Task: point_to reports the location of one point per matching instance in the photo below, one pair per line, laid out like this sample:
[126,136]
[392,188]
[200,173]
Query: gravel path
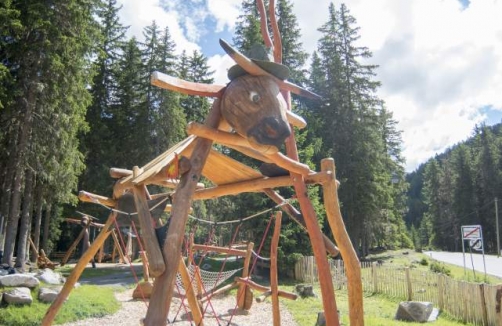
[132,311]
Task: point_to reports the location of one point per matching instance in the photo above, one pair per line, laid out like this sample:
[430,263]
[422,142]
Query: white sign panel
[470,232]
[476,244]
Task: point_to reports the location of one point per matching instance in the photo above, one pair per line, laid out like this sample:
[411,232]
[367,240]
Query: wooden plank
[274,283]
[73,246]
[160,300]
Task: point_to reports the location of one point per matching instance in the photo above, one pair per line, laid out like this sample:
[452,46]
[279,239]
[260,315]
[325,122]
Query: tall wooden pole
[274,283]
[352,265]
[315,234]
[77,271]
[163,287]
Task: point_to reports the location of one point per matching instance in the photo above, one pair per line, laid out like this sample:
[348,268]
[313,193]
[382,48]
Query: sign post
[474,234]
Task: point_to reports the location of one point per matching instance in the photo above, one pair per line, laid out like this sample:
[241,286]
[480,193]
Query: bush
[439,268]
[424,262]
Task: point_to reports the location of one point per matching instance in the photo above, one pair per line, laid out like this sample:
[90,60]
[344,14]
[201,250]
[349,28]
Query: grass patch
[378,310]
[84,302]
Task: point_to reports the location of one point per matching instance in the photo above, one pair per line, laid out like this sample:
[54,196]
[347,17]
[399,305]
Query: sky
[440,61]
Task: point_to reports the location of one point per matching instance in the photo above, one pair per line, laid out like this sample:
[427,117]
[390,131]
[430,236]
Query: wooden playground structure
[251,115]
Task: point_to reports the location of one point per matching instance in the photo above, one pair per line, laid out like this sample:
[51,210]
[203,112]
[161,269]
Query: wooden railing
[476,303]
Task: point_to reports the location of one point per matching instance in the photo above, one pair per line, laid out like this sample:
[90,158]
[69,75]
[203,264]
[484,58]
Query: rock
[19,295]
[4,272]
[305,290]
[48,276]
[414,311]
[143,290]
[48,295]
[321,319]
[19,280]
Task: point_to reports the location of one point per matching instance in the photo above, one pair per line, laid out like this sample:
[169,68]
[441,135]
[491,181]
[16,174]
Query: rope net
[210,280]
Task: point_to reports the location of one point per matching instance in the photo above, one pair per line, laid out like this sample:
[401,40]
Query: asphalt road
[493,263]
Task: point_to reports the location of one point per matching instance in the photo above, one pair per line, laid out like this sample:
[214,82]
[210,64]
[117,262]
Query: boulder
[19,295]
[416,311]
[48,276]
[21,280]
[48,295]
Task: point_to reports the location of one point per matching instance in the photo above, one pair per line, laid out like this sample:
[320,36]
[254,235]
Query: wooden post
[73,246]
[241,293]
[440,291]
[144,259]
[408,284]
[352,264]
[374,276]
[190,294]
[298,218]
[155,259]
[119,247]
[273,270]
[77,271]
[160,300]
[34,249]
[101,253]
[483,303]
[498,305]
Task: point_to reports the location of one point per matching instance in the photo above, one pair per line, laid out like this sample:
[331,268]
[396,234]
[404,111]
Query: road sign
[476,244]
[471,232]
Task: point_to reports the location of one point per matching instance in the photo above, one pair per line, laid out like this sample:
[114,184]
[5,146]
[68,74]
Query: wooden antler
[253,69]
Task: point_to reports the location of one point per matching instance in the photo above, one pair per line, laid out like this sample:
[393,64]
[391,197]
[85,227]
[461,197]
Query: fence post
[441,291]
[374,276]
[408,283]
[483,303]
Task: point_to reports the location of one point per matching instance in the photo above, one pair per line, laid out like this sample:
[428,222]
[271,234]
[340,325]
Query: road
[493,264]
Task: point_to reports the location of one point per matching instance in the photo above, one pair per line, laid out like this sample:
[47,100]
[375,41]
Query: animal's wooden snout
[270,131]
[255,108]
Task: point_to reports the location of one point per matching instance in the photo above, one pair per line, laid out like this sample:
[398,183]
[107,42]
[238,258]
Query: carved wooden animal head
[255,108]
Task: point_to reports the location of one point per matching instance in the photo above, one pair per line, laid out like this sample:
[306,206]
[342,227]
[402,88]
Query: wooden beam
[232,139]
[241,295]
[352,264]
[118,246]
[73,246]
[88,197]
[274,283]
[77,271]
[296,216]
[314,231]
[190,294]
[224,137]
[228,251]
[296,120]
[254,185]
[160,300]
[155,258]
[261,288]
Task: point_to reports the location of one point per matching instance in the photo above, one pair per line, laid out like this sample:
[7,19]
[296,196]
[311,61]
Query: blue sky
[440,61]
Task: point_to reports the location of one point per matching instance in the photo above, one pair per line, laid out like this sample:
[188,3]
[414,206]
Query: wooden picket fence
[476,303]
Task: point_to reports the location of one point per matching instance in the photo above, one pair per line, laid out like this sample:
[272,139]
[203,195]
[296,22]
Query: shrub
[424,262]
[439,268]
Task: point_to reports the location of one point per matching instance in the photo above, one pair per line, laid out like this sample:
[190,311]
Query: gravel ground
[133,311]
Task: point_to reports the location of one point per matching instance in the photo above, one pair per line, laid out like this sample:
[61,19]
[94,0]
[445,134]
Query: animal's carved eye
[254,97]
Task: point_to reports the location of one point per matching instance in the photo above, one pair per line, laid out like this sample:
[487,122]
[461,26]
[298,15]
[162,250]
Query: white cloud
[139,14]
[439,62]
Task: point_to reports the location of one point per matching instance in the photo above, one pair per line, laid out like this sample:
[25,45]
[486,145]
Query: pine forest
[76,100]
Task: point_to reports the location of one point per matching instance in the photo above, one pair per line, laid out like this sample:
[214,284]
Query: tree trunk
[47,223]
[24,227]
[26,104]
[38,219]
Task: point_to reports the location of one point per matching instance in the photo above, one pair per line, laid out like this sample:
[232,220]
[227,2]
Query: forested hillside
[458,187]
[76,100]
